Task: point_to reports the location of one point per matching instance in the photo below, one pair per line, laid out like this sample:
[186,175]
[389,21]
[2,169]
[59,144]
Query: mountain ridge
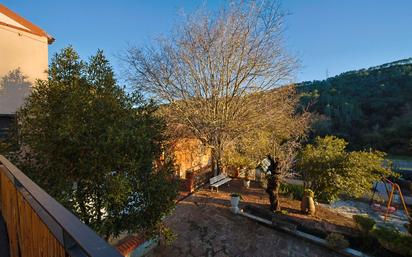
[369,107]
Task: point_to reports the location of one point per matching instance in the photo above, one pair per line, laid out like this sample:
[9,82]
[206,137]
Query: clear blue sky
[333,35]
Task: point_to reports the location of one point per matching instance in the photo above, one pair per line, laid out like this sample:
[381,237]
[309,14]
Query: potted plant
[307,204]
[246,181]
[234,202]
[235,172]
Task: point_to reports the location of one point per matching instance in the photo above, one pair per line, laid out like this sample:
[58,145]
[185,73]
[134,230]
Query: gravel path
[350,208]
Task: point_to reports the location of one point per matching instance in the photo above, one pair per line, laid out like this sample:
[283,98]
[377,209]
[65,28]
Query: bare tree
[278,129]
[212,69]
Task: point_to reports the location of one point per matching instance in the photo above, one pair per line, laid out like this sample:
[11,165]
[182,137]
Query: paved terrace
[205,227]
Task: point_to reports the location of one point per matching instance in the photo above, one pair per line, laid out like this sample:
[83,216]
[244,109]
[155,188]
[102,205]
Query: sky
[327,36]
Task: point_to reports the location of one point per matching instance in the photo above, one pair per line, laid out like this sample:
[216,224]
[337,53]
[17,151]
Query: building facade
[23,59]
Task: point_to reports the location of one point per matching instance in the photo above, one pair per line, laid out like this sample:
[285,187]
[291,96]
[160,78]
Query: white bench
[219,180]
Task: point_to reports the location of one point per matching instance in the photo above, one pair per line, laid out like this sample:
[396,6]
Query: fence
[38,226]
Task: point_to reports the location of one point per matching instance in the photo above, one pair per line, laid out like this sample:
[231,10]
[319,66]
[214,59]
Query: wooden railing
[38,226]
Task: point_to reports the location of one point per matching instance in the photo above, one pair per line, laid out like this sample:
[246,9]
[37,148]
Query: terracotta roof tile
[128,244]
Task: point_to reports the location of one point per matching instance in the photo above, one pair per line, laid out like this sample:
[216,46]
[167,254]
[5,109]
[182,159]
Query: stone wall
[190,154]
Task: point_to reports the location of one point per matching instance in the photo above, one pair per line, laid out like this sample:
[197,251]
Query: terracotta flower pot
[236,173]
[190,181]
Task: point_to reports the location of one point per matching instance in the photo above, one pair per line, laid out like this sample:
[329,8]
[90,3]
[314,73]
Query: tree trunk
[216,157]
[276,194]
[273,191]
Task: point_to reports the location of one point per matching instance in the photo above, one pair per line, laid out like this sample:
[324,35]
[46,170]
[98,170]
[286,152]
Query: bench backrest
[217,178]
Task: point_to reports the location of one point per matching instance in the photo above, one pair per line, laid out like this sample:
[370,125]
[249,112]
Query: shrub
[282,212]
[236,195]
[296,191]
[337,241]
[309,192]
[364,223]
[330,170]
[393,240]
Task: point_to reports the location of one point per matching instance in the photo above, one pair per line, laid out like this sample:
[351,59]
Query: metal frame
[77,238]
[394,186]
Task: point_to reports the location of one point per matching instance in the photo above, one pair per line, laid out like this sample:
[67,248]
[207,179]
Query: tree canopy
[279,131]
[92,147]
[329,170]
[368,107]
[211,69]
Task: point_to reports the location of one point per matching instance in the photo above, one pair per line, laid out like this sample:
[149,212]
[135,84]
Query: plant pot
[190,181]
[307,205]
[236,173]
[234,204]
[258,174]
[246,183]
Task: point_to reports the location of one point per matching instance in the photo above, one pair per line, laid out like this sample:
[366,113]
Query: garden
[331,200]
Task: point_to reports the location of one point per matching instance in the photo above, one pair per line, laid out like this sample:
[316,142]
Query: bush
[337,241]
[295,191]
[364,223]
[309,193]
[393,240]
[236,195]
[330,170]
[282,212]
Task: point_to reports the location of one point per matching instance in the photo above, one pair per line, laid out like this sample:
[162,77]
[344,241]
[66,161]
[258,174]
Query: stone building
[190,154]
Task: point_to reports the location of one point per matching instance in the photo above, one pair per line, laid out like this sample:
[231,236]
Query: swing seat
[391,209]
[379,208]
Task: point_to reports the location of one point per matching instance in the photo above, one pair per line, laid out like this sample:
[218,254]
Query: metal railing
[37,225]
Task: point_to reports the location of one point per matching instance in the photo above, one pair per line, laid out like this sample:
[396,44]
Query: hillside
[368,107]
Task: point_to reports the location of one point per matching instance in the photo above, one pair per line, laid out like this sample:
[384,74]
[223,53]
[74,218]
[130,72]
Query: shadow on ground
[205,227]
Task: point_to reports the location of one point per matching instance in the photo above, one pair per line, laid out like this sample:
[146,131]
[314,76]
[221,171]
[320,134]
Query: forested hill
[368,107]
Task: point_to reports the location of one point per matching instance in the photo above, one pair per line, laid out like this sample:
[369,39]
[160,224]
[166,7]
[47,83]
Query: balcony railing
[37,225]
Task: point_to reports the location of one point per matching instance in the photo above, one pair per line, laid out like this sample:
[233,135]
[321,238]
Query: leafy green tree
[368,107]
[92,147]
[329,170]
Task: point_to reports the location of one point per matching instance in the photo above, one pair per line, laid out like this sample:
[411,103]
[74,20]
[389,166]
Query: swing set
[391,193]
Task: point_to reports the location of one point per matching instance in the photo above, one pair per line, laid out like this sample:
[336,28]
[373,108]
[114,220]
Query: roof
[20,23]
[129,244]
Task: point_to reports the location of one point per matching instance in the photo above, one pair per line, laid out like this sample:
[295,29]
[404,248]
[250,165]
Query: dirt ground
[257,196]
[205,227]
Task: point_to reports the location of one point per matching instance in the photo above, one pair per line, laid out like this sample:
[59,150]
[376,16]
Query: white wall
[24,51]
